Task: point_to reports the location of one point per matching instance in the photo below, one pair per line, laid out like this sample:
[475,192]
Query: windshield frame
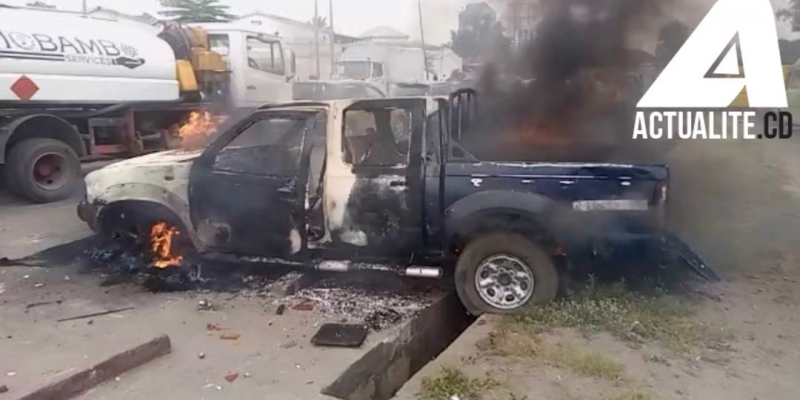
[341,68]
[227,136]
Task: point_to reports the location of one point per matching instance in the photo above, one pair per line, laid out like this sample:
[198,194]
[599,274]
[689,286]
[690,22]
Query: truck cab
[344,183]
[261,69]
[370,71]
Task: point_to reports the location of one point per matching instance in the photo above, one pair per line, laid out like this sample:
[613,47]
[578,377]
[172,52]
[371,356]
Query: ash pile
[376,300]
[119,262]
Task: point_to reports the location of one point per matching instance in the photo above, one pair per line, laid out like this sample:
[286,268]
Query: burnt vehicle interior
[244,189]
[381,144]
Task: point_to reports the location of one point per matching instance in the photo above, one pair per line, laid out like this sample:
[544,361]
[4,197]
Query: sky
[351,17]
[354,17]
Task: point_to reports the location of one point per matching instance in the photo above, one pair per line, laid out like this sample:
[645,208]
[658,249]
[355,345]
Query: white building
[384,34]
[442,60]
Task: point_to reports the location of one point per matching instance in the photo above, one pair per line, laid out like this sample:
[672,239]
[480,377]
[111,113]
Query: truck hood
[157,159]
[143,177]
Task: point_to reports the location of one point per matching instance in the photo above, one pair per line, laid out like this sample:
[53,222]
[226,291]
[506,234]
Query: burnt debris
[372,299]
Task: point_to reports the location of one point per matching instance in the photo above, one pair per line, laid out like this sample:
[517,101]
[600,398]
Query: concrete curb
[380,373]
[88,378]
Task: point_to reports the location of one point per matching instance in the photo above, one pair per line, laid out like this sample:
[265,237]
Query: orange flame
[539,134]
[198,128]
[161,245]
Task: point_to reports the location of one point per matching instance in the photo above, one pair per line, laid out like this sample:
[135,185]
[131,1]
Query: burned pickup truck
[347,184]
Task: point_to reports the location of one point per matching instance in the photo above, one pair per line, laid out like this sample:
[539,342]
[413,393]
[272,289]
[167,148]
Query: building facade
[520,19]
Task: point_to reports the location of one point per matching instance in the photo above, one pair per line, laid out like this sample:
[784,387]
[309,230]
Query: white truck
[384,65]
[74,88]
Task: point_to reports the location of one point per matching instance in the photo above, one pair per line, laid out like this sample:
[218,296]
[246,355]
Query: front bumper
[88,213]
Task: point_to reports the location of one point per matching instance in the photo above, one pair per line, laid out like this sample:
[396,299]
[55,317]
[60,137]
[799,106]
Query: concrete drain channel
[380,373]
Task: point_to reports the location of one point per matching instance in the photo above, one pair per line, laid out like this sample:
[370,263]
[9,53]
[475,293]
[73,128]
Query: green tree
[319,22]
[196,10]
[671,38]
[790,11]
[480,35]
[40,4]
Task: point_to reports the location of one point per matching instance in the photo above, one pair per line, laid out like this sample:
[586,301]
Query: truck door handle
[251,87]
[397,184]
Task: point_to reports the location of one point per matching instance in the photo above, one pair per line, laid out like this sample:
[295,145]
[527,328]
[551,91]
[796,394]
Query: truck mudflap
[678,248]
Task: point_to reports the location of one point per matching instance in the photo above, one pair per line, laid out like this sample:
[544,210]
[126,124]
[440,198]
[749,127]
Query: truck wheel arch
[525,213]
[43,126]
[150,198]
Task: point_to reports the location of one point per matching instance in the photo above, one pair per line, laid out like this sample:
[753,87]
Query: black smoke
[571,93]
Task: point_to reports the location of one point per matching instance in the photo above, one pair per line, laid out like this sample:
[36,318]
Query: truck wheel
[43,170]
[501,273]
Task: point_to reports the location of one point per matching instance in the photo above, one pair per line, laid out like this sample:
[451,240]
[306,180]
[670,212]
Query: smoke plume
[572,93]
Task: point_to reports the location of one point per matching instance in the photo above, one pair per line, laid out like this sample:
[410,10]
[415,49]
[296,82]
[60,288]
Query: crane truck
[76,88]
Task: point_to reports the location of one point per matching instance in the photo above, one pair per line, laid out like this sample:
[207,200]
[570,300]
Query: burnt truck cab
[342,183]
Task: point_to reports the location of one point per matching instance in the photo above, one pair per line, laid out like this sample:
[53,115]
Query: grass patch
[625,314]
[585,362]
[454,382]
[516,343]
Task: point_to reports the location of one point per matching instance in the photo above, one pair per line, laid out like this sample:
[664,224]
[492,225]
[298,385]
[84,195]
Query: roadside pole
[316,36]
[422,37]
[333,41]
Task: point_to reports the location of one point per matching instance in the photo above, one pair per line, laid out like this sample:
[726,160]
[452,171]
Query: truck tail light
[662,189]
[660,200]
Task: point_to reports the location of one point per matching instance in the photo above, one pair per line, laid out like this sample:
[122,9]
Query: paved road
[27,228]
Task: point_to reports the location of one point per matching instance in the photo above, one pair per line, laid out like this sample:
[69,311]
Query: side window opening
[378,73]
[220,44]
[265,55]
[377,138]
[267,147]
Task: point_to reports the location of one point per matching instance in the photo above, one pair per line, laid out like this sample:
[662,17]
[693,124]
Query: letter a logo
[705,72]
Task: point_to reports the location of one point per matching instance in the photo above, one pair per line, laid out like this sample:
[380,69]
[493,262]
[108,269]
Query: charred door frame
[412,187]
[204,168]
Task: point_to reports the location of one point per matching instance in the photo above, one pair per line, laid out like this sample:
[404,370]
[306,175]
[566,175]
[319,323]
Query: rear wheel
[501,273]
[43,170]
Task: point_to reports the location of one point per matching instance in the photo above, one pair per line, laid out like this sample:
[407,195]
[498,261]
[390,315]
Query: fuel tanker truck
[76,88]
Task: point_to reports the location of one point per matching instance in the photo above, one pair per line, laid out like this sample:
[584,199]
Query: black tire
[133,225]
[22,180]
[539,262]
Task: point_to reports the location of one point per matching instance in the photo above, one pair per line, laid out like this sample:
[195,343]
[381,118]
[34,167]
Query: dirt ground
[737,204]
[27,228]
[268,350]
